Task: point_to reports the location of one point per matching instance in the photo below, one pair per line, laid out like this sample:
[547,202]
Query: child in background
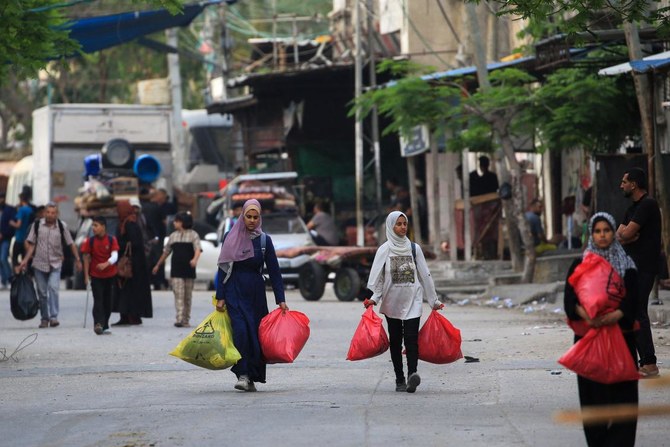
[184,245]
[101,251]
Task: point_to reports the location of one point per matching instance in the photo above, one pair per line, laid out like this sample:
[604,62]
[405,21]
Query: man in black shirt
[640,234]
[485,183]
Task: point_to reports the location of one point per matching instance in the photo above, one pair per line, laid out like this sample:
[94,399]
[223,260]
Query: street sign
[418,143]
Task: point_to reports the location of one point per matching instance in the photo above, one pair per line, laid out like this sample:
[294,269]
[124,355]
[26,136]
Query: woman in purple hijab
[240,289]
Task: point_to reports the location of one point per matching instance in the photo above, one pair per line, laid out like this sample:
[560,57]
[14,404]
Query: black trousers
[103,294]
[407,331]
[18,252]
[611,434]
[644,340]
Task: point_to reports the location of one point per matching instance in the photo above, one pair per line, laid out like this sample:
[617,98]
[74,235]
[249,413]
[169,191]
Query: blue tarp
[644,66]
[98,33]
[464,71]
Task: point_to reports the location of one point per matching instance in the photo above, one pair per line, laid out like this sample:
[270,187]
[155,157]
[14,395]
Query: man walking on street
[640,234]
[47,239]
[21,224]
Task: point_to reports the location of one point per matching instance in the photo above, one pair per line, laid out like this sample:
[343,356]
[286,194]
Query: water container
[92,164]
[147,168]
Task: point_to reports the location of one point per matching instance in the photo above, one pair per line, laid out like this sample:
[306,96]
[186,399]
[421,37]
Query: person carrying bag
[600,303]
[399,281]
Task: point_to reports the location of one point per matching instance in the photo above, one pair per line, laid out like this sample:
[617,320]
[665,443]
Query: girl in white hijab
[400,282]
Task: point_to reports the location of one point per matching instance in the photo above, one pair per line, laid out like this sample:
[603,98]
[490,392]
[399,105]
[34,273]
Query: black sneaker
[401,387]
[412,382]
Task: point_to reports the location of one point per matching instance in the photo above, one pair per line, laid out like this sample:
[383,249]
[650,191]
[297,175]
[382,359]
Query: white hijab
[394,246]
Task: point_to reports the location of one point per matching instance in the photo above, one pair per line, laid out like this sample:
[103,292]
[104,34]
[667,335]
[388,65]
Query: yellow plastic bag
[210,345]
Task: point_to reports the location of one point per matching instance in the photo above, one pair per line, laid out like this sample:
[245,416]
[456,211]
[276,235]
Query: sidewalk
[478,283]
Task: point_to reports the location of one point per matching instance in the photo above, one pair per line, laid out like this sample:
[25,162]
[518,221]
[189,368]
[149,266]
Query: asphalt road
[74,388]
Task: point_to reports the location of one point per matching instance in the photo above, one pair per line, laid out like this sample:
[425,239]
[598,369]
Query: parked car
[209,242]
[287,230]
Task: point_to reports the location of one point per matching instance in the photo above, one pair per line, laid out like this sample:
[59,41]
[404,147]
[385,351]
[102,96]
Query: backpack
[264,238]
[92,238]
[67,269]
[367,293]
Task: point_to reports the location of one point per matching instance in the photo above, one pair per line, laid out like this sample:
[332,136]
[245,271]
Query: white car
[209,243]
[287,230]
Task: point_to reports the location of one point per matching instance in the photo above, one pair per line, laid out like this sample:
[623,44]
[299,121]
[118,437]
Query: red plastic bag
[283,335]
[598,286]
[439,340]
[370,338]
[602,355]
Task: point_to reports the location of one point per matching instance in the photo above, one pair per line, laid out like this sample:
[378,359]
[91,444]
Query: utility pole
[374,116]
[358,88]
[642,91]
[179,160]
[274,35]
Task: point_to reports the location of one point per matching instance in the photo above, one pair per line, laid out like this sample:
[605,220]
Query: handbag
[124,267]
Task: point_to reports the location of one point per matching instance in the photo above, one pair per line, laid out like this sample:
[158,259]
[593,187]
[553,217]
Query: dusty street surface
[73,388]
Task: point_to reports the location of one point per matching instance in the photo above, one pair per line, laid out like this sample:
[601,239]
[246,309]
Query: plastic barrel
[147,168]
[92,164]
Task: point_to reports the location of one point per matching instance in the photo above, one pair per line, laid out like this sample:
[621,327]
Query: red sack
[439,340]
[370,338]
[282,335]
[602,356]
[598,286]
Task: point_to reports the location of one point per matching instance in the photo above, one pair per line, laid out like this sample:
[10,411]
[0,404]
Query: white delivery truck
[65,134]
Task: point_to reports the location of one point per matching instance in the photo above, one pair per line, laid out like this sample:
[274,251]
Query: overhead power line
[419,35]
[451,26]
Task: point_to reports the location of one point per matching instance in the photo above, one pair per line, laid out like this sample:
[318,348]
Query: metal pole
[88,291]
[179,159]
[374,116]
[413,199]
[274,34]
[467,237]
[296,58]
[358,88]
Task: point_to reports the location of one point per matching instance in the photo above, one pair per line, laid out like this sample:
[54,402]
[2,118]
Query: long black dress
[134,294]
[593,393]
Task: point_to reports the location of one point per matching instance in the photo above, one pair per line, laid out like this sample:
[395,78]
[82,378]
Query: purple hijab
[238,245]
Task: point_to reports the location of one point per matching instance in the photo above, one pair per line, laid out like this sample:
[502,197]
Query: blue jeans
[48,284]
[5,268]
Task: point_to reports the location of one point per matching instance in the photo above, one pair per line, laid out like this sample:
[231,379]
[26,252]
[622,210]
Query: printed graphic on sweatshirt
[402,270]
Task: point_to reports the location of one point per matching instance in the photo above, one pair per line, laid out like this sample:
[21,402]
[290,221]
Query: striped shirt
[180,237]
[48,253]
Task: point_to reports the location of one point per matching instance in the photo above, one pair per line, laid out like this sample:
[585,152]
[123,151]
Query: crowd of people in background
[399,280]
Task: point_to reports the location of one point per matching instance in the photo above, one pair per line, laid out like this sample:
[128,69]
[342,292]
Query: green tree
[33,34]
[580,14]
[33,41]
[572,108]
[585,15]
[599,111]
